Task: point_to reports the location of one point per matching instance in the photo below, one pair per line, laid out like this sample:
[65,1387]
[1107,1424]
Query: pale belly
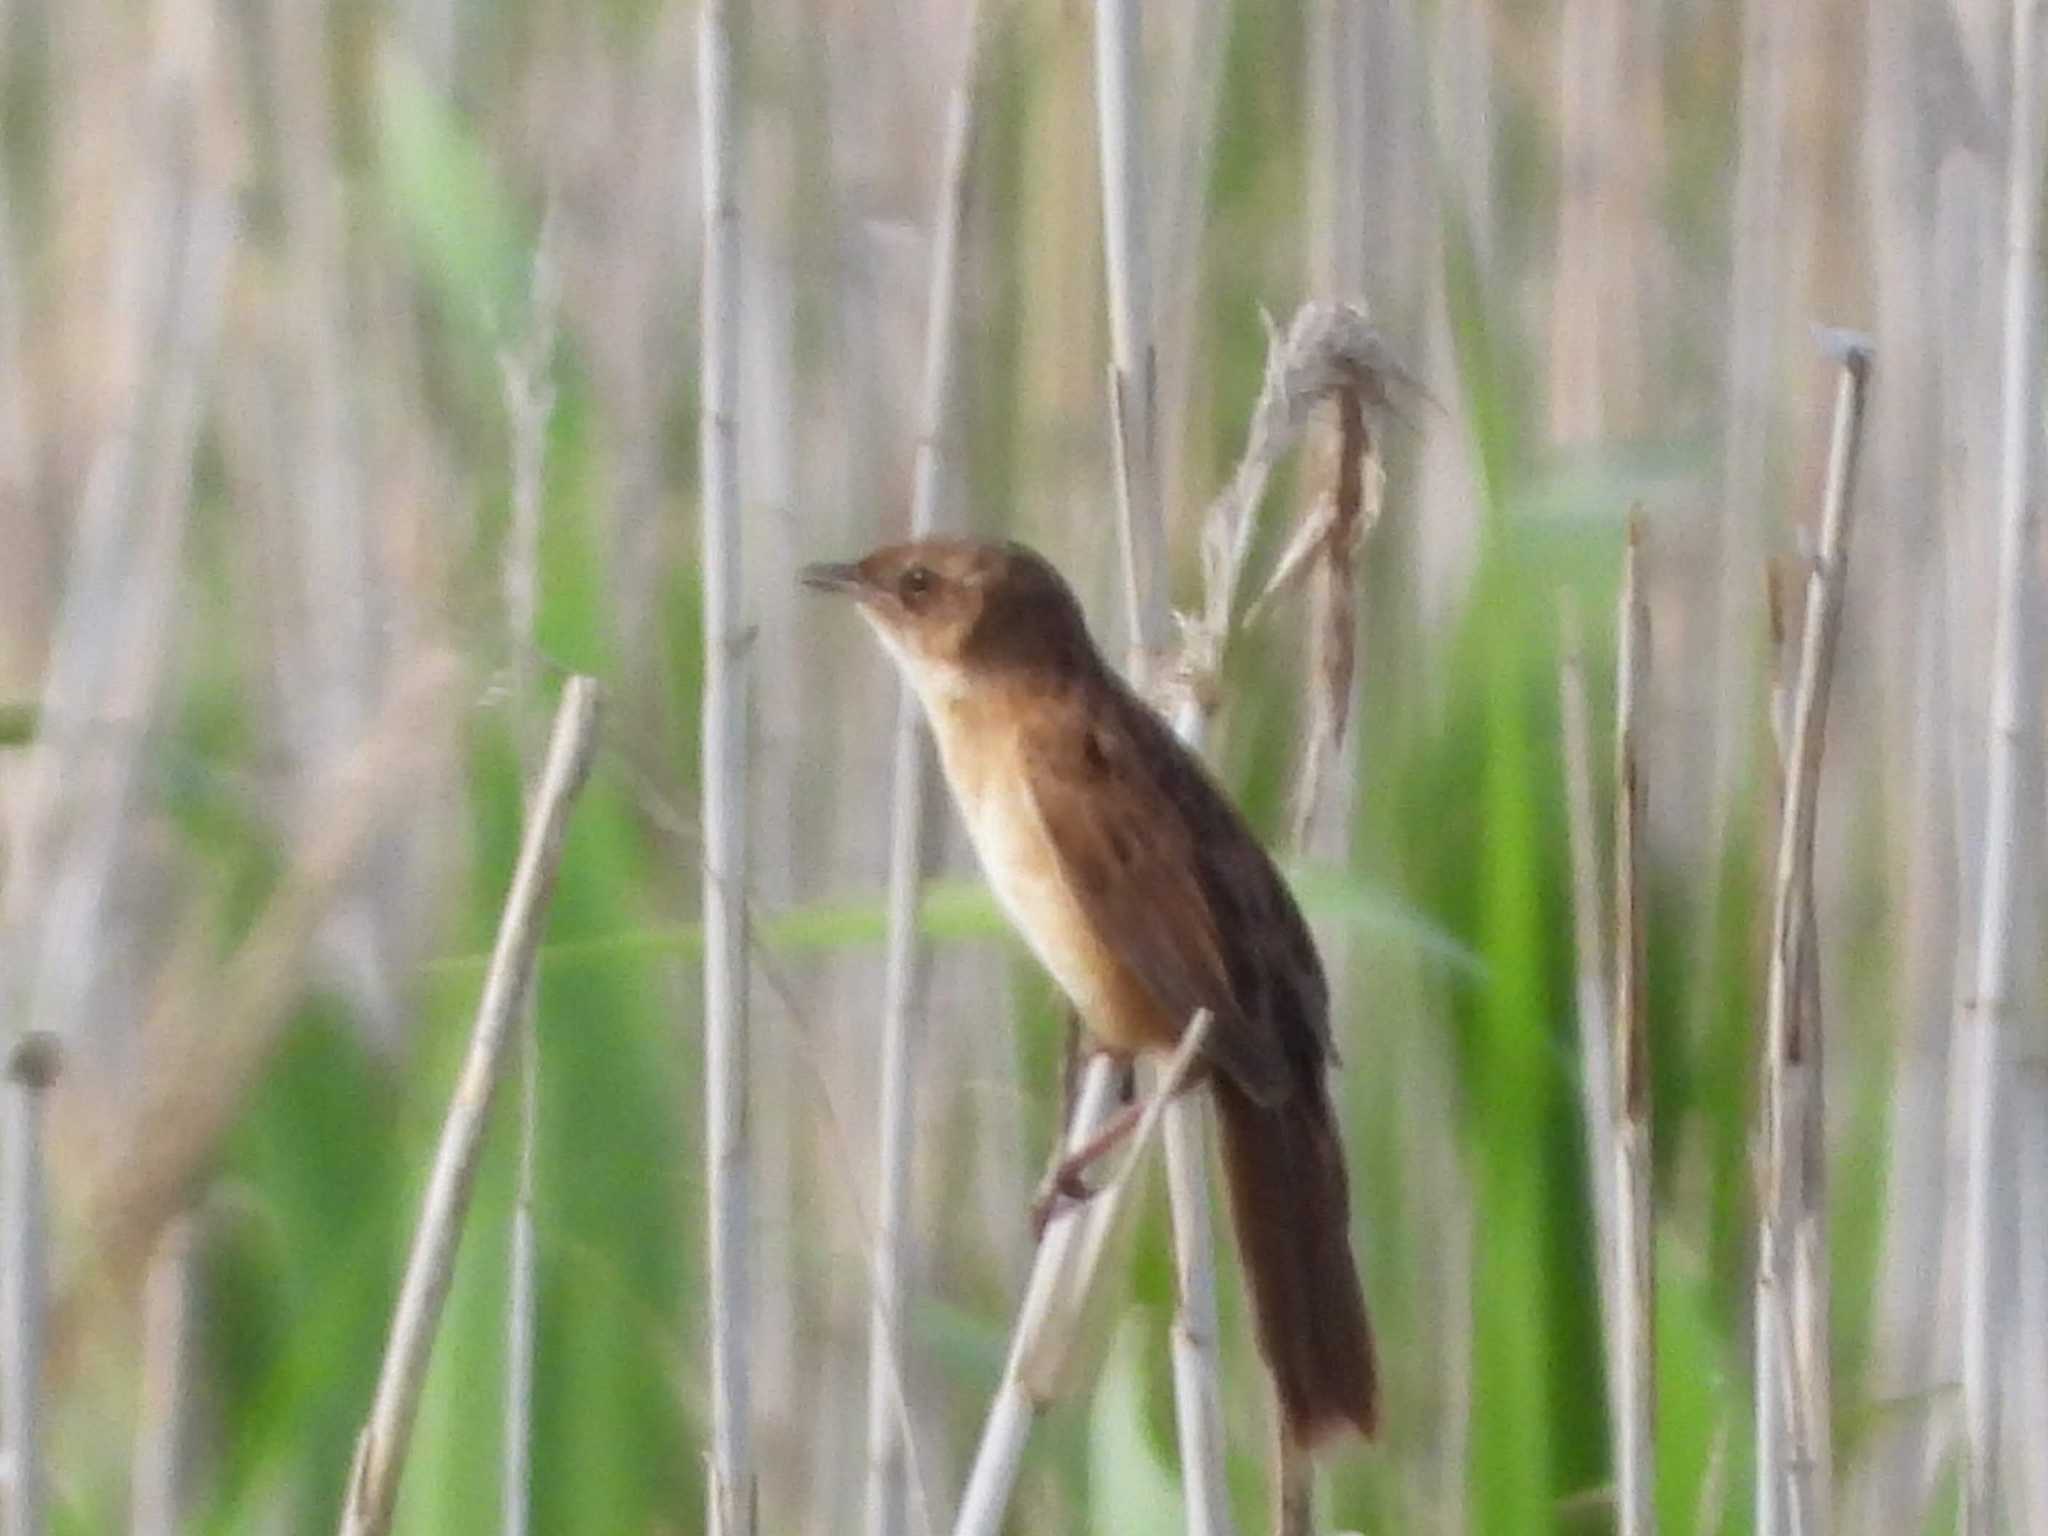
[1023,872]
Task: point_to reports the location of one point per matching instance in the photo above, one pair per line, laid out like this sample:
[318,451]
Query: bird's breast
[984,767]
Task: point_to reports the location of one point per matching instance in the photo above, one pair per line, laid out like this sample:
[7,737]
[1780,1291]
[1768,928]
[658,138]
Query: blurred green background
[271,275]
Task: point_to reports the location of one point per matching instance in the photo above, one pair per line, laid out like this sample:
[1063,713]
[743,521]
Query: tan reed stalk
[729,1147]
[1596,1047]
[1043,1325]
[1133,420]
[1794,1453]
[170,1356]
[372,1492]
[529,397]
[107,661]
[910,778]
[2011,800]
[32,1063]
[1634,1265]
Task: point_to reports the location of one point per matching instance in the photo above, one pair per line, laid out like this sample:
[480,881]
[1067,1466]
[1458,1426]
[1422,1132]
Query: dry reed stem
[1198,1393]
[1197,1367]
[1899,137]
[1120,138]
[18,466]
[729,1145]
[1596,1048]
[522,1296]
[1806,1007]
[1634,1265]
[1968,237]
[170,1351]
[1595,354]
[527,386]
[1200,38]
[1042,1326]
[1197,1373]
[430,1267]
[1794,1454]
[1755,284]
[1334,532]
[1330,351]
[107,661]
[2027,1359]
[2011,806]
[1038,1344]
[31,1070]
[910,793]
[834,1124]
[333,635]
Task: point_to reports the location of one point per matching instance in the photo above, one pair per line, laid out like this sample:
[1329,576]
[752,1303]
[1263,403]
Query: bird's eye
[915,584]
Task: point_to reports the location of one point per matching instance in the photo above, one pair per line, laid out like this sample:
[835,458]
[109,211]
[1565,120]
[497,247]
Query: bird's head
[956,611]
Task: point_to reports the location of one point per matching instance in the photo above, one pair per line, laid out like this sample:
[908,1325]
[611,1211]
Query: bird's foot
[1064,1182]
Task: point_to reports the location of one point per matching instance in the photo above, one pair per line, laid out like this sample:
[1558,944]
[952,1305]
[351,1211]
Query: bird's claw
[1063,1183]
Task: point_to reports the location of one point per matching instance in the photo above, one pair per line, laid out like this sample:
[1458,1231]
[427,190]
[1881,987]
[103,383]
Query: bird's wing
[1158,861]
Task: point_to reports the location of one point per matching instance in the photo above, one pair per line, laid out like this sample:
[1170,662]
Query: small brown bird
[1143,892]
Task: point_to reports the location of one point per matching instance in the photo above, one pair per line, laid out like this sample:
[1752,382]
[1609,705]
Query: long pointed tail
[1291,1201]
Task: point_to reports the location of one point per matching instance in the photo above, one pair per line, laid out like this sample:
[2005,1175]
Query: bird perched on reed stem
[1140,888]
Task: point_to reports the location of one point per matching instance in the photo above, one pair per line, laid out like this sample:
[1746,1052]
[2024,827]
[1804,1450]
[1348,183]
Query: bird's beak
[835,578]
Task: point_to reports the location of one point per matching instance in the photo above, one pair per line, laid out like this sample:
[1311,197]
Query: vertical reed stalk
[1120,137]
[1634,1265]
[24,1279]
[1900,139]
[17,437]
[1026,1385]
[1197,1389]
[157,1492]
[522,1291]
[730,1153]
[430,1267]
[910,792]
[103,679]
[2011,809]
[1197,1375]
[1755,284]
[529,398]
[1794,1407]
[2027,1360]
[1201,39]
[1596,1040]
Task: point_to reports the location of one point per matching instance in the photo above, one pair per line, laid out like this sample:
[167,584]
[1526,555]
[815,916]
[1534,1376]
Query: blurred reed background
[348,399]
